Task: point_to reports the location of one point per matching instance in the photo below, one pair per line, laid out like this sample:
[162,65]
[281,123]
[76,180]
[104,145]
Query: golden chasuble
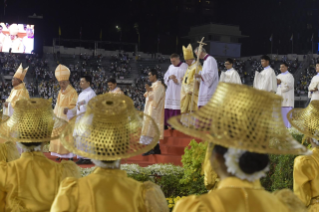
[31,182]
[306,179]
[18,92]
[187,86]
[108,190]
[66,99]
[233,195]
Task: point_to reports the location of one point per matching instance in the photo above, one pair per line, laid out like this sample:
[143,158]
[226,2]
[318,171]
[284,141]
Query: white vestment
[286,89]
[85,96]
[28,44]
[266,80]
[312,86]
[173,91]
[209,80]
[230,76]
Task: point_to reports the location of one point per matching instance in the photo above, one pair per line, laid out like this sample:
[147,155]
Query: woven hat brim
[305,123]
[241,117]
[10,130]
[103,141]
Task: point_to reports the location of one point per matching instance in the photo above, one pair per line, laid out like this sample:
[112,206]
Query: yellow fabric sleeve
[67,197]
[8,151]
[69,169]
[154,198]
[3,179]
[189,204]
[293,203]
[303,174]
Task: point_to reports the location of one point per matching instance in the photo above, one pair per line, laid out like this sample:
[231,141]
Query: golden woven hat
[306,120]
[110,129]
[33,120]
[241,117]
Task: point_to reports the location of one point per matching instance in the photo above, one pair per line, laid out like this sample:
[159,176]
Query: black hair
[284,63]
[174,55]
[87,78]
[265,57]
[317,62]
[31,144]
[231,61]
[154,72]
[112,80]
[249,162]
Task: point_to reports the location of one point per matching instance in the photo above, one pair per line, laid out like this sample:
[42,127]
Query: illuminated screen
[17,37]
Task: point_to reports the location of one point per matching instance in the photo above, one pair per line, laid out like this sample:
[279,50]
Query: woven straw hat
[33,120]
[110,129]
[306,120]
[241,117]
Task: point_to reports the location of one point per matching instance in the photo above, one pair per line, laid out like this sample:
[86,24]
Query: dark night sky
[257,19]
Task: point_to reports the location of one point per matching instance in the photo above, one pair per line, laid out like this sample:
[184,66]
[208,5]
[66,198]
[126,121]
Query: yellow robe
[32,182]
[8,151]
[66,99]
[187,86]
[306,179]
[18,92]
[154,107]
[235,195]
[108,190]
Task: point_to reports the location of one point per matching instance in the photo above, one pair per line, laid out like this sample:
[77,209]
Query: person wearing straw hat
[313,88]
[109,131]
[285,88]
[65,108]
[18,91]
[306,168]
[245,124]
[230,75]
[31,182]
[188,81]
[266,79]
[12,41]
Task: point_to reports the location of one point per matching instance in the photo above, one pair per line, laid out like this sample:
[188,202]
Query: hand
[316,89]
[197,76]
[6,104]
[65,111]
[190,93]
[78,107]
[278,81]
[175,80]
[172,77]
[148,88]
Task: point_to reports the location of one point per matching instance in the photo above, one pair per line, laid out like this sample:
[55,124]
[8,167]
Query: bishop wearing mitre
[266,80]
[231,75]
[65,108]
[18,91]
[188,86]
[12,41]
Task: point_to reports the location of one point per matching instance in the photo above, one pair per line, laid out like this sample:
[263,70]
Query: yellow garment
[66,99]
[20,73]
[233,195]
[187,86]
[18,92]
[306,178]
[8,151]
[154,107]
[32,182]
[108,190]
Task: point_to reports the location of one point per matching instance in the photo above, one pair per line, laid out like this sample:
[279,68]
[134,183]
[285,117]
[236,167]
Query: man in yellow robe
[109,130]
[12,41]
[65,108]
[154,107]
[31,182]
[18,92]
[188,86]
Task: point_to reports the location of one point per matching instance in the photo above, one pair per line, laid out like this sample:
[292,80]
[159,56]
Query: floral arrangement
[172,201]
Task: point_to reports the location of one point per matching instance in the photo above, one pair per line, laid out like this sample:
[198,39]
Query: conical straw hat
[110,129]
[241,117]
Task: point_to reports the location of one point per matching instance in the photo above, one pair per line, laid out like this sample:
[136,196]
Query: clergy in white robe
[112,84]
[265,80]
[85,96]
[285,88]
[154,107]
[208,78]
[173,80]
[313,88]
[231,75]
